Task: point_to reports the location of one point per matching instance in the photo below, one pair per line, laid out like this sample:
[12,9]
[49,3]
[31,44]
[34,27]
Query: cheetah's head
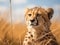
[38,17]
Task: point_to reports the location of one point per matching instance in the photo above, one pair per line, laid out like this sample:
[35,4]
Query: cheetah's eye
[38,15]
[29,14]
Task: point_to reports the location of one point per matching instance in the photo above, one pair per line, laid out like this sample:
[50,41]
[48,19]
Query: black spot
[31,35]
[47,35]
[29,43]
[28,37]
[32,39]
[25,39]
[29,32]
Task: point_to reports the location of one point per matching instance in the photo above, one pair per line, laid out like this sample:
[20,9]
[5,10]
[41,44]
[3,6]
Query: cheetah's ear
[26,10]
[50,12]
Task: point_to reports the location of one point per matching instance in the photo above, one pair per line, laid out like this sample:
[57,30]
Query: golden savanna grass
[13,34]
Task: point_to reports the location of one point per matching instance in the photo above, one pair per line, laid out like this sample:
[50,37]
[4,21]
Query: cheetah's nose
[32,20]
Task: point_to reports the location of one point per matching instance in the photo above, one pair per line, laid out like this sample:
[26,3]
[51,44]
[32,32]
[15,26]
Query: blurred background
[12,23]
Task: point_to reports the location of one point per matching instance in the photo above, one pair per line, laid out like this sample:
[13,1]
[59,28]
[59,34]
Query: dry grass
[56,27]
[14,34]
[11,34]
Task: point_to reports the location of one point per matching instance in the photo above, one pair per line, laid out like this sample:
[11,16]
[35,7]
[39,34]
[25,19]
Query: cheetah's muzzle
[34,22]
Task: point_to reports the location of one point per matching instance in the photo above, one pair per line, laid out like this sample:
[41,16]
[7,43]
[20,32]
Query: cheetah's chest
[32,34]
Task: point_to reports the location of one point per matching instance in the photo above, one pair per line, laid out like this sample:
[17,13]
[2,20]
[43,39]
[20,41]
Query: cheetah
[38,25]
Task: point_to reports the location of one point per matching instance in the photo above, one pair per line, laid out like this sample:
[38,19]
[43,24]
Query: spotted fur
[38,24]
